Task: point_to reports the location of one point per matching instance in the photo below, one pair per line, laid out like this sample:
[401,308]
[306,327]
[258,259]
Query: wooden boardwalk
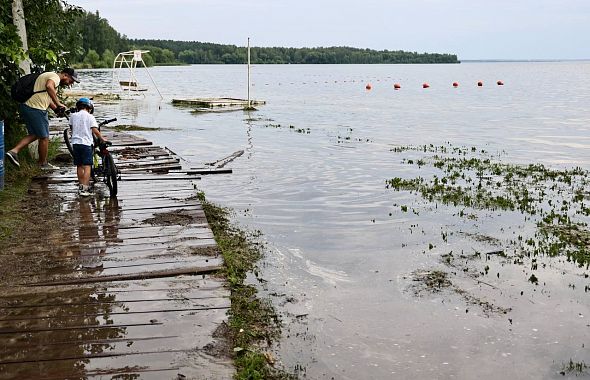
[132,292]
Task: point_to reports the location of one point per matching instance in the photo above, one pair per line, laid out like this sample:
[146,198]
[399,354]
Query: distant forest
[100,43]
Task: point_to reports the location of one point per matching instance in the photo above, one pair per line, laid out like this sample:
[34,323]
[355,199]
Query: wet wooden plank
[127,178]
[162,366]
[183,287]
[150,169]
[133,239]
[206,171]
[42,316]
[142,161]
[133,276]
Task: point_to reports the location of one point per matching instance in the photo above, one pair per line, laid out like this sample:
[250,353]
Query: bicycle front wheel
[68,140]
[110,173]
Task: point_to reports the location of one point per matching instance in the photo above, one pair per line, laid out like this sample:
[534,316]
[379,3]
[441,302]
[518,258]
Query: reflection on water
[93,246]
[89,239]
[341,248]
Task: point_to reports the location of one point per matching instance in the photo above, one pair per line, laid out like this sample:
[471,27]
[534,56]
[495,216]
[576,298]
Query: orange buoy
[425,85]
[480,83]
[397,86]
[500,83]
[455,84]
[368,86]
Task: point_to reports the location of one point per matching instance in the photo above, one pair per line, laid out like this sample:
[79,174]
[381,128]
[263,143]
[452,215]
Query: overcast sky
[472,29]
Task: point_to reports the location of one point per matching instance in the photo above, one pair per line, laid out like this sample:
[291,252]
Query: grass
[17,181]
[15,190]
[253,322]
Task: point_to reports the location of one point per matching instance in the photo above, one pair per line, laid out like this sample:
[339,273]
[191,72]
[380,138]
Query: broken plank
[135,276]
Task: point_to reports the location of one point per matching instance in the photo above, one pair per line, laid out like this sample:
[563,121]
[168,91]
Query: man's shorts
[82,154]
[36,120]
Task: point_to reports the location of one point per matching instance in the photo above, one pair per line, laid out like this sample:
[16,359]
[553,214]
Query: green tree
[108,57]
[148,59]
[92,58]
[51,39]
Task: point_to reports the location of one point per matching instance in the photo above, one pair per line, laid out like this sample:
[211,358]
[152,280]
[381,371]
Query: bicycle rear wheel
[68,140]
[110,173]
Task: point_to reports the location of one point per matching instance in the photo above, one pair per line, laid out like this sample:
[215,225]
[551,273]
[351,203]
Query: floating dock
[217,104]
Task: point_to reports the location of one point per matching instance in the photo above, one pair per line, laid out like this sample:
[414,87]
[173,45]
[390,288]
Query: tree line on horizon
[101,42]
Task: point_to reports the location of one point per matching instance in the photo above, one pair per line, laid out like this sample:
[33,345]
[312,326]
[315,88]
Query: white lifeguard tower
[124,73]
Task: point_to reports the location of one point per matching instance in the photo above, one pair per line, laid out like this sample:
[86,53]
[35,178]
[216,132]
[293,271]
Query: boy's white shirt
[82,123]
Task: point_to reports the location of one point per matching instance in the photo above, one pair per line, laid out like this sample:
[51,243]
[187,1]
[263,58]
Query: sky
[471,29]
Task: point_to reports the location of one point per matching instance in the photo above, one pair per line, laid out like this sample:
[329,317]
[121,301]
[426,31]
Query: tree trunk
[18,17]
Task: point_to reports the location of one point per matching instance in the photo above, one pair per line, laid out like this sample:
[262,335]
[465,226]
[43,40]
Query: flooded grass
[436,281]
[102,97]
[575,368]
[253,322]
[557,201]
[433,280]
[305,131]
[132,127]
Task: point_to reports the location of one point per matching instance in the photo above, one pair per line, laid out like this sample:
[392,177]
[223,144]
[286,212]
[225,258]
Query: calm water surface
[340,252]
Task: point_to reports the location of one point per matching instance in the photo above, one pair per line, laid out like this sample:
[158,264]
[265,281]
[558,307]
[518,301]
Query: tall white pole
[249,72]
[18,18]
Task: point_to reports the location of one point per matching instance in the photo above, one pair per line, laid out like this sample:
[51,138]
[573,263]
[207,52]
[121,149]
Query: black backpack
[24,88]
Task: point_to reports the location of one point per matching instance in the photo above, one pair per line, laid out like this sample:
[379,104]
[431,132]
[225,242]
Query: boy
[84,127]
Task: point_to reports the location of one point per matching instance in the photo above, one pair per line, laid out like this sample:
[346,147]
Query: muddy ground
[39,219]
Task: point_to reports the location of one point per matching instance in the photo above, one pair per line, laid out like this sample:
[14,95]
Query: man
[34,112]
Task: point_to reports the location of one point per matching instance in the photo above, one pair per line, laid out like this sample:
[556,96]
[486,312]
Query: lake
[347,255]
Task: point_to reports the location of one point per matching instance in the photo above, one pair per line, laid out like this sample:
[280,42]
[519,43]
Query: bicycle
[103,166]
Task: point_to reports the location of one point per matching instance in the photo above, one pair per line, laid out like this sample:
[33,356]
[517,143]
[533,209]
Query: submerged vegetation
[557,201]
[577,368]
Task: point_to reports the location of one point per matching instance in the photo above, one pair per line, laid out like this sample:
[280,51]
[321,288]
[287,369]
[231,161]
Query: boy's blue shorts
[36,120]
[82,155]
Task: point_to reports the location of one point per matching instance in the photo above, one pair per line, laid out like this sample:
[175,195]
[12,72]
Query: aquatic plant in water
[469,178]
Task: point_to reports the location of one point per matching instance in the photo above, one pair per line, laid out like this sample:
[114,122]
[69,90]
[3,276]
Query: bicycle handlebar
[107,122]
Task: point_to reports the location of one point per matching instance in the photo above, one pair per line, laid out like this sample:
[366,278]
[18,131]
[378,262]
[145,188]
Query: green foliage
[201,52]
[49,37]
[96,34]
[10,54]
[108,57]
[92,58]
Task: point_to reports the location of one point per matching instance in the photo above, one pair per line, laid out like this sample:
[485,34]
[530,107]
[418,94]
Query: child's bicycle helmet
[85,103]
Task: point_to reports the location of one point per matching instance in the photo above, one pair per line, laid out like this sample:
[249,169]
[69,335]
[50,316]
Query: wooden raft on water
[217,104]
[131,290]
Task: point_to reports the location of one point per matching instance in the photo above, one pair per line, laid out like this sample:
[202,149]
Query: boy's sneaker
[13,157]
[48,166]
